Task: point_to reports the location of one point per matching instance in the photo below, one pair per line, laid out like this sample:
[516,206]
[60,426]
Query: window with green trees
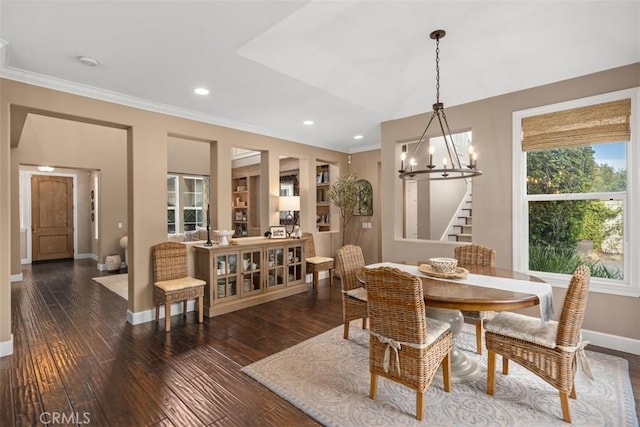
[573,200]
[578,216]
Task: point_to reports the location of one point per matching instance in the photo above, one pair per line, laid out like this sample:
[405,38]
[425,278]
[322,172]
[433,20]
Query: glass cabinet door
[251,271]
[275,267]
[294,265]
[226,276]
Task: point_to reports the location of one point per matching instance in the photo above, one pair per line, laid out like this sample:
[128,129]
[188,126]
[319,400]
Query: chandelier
[451,167]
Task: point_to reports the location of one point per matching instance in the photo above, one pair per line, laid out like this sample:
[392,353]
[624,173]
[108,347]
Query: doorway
[30,219]
[52,222]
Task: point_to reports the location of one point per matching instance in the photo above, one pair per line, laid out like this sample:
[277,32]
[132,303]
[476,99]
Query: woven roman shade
[607,122]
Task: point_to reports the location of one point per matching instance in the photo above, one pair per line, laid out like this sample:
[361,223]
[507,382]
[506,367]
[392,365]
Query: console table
[251,271]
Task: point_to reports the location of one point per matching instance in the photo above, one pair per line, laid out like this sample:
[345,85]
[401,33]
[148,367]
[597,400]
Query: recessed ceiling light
[86,60]
[358,137]
[201,91]
[308,122]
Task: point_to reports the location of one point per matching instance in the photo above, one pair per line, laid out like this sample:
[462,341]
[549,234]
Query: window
[573,194]
[185,201]
[192,205]
[172,203]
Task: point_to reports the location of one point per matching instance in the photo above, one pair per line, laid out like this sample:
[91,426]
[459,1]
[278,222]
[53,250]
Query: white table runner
[542,290]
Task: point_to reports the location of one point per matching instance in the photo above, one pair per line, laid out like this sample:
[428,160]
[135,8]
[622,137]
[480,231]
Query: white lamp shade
[289,203]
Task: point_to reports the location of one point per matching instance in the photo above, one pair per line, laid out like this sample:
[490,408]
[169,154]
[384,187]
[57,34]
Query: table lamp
[289,204]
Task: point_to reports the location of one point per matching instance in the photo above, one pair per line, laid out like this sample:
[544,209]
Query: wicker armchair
[476,255]
[548,352]
[171,282]
[316,264]
[354,294]
[397,321]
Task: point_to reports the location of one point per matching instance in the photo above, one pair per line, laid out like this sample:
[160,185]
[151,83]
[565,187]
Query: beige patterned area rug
[327,377]
[118,283]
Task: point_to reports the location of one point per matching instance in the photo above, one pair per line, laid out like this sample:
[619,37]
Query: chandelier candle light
[430,171]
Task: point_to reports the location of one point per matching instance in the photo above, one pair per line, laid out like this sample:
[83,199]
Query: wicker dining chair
[171,282]
[354,294]
[414,345]
[550,352]
[316,264]
[483,256]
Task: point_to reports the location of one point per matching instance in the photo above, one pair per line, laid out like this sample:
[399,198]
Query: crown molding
[87,91]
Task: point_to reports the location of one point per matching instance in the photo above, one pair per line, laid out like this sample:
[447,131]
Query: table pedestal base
[463,367]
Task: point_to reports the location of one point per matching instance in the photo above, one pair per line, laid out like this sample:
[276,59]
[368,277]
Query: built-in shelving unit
[323,202]
[240,206]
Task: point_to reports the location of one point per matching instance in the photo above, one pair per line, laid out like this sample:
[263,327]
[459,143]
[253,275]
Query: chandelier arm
[453,145]
[423,134]
[455,163]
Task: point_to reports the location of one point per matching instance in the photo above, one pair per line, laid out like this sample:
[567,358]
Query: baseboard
[16,277]
[103,267]
[613,342]
[136,318]
[6,347]
[86,256]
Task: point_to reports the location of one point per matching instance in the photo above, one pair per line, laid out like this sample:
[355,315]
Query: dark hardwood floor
[75,357]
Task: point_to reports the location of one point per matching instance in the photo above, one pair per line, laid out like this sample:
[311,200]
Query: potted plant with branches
[344,194]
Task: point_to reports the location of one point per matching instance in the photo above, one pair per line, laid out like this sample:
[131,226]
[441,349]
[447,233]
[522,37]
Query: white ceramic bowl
[223,236]
[443,265]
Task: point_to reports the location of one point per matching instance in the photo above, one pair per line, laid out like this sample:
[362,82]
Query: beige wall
[491,123]
[188,157]
[367,165]
[145,139]
[7,248]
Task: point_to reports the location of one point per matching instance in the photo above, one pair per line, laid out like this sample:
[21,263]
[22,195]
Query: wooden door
[51,217]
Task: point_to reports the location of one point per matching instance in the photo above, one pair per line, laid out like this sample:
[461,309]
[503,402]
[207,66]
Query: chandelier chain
[437,70]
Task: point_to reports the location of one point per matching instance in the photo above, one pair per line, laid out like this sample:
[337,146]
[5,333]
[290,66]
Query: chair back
[350,261]
[309,245]
[573,308]
[475,255]
[169,261]
[396,305]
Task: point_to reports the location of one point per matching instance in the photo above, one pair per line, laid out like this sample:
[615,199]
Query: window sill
[596,284]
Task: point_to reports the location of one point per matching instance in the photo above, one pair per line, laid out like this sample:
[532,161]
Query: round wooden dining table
[444,299]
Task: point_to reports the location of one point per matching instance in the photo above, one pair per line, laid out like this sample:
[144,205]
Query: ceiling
[347,65]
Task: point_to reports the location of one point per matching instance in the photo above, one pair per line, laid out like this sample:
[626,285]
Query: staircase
[461,230]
